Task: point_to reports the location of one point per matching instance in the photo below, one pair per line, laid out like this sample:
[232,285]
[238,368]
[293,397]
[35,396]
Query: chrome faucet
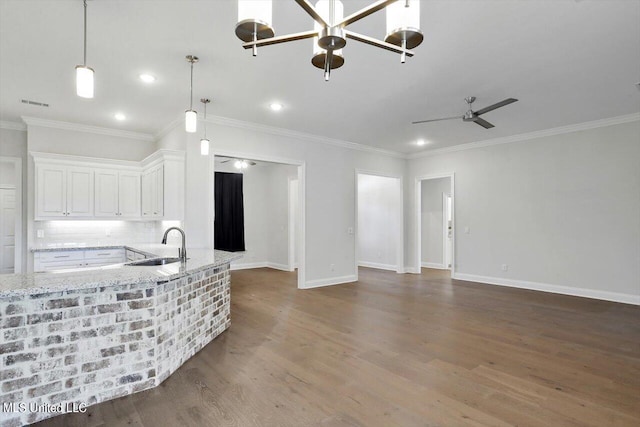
[181,253]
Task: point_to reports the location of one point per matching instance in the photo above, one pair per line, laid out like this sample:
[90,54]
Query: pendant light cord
[205,120]
[191,88]
[85,33]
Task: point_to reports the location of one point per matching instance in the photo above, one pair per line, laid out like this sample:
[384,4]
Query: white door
[7,230]
[80,192]
[129,194]
[106,193]
[51,184]
[294,222]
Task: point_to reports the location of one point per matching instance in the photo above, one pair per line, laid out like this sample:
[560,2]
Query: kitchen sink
[154,261]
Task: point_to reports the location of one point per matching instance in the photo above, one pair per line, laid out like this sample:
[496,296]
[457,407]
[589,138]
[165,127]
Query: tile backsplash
[72,233]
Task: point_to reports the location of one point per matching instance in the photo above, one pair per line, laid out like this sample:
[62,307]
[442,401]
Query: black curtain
[229,219]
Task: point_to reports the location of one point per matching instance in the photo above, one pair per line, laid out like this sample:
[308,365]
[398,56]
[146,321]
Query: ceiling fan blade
[308,7]
[482,122]
[225,161]
[496,105]
[436,120]
[280,39]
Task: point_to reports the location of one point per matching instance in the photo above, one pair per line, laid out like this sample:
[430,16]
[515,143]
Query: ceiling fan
[238,163]
[474,116]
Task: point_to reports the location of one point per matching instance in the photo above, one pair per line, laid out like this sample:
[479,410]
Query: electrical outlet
[40,234]
[332,267]
[350,230]
[505,267]
[467,230]
[107,232]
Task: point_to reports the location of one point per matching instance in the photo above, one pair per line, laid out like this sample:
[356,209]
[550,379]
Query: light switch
[467,230]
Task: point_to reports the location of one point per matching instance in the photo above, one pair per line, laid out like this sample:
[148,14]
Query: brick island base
[87,346]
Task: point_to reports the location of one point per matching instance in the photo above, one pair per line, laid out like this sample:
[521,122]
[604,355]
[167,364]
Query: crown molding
[55,124]
[225,121]
[531,135]
[13,125]
[168,128]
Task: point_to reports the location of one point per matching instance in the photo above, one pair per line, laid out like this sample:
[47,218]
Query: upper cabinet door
[147,196]
[158,210]
[51,194]
[106,196]
[129,194]
[80,192]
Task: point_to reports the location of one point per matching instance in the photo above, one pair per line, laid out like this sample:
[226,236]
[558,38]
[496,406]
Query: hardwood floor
[399,350]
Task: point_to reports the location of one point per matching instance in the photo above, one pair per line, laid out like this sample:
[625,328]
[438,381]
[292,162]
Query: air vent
[36,103]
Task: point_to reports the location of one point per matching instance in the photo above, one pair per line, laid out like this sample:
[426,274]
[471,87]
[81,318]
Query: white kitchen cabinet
[153,192]
[63,191]
[117,193]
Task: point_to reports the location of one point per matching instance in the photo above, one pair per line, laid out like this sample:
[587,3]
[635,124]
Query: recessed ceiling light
[147,78]
[275,106]
[120,116]
[420,142]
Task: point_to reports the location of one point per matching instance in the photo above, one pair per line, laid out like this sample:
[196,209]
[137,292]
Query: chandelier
[330,34]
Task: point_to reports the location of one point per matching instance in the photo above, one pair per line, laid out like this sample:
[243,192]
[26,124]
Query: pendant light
[84,74]
[190,116]
[335,11]
[204,142]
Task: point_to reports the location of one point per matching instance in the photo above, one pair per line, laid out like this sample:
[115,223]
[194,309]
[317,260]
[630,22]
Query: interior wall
[432,217]
[562,212]
[328,188]
[377,233]
[13,143]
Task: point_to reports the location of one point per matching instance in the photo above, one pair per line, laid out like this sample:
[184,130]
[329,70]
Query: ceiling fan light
[190,121]
[237,164]
[204,147]
[84,81]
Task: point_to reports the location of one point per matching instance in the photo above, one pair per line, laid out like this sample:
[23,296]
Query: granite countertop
[113,275]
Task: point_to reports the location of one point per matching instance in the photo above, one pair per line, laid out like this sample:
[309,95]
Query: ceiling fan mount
[473,116]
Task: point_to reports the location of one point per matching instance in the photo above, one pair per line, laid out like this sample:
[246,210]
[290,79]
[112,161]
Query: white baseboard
[248,265]
[411,270]
[556,289]
[377,265]
[277,266]
[435,265]
[330,281]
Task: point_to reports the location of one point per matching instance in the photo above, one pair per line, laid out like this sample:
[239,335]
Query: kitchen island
[73,338]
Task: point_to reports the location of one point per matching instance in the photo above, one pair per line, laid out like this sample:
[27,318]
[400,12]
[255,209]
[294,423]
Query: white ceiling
[567,62]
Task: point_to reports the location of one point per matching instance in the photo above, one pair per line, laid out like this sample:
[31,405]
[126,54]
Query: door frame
[418,220]
[17,164]
[301,166]
[400,220]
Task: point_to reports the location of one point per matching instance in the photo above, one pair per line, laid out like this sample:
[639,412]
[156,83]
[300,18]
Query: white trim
[86,161]
[168,128]
[12,125]
[435,265]
[55,124]
[330,281]
[225,121]
[411,270]
[556,289]
[418,219]
[530,135]
[18,247]
[248,265]
[379,266]
[278,266]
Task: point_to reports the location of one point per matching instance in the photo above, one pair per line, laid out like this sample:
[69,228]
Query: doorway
[379,227]
[435,222]
[273,211]
[11,233]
